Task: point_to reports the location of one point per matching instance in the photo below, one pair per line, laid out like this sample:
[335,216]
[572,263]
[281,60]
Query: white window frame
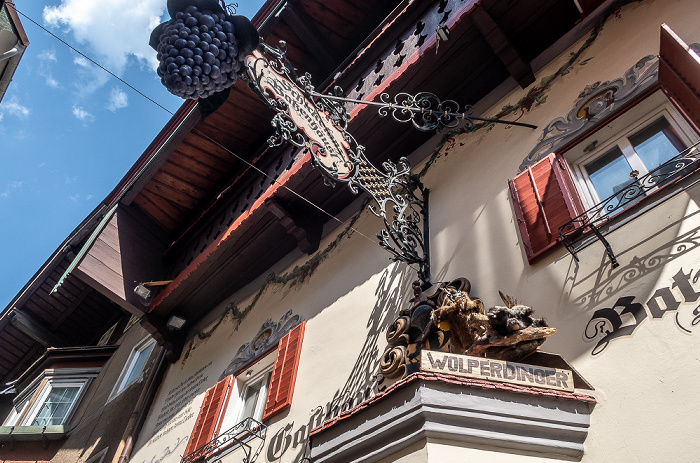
[616,133]
[44,395]
[260,370]
[121,384]
[30,400]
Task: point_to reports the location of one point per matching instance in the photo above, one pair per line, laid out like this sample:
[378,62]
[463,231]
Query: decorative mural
[625,315]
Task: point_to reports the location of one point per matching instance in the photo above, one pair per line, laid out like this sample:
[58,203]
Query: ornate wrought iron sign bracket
[318,123]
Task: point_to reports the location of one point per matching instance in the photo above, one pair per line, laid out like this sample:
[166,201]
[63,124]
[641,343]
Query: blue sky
[68,130]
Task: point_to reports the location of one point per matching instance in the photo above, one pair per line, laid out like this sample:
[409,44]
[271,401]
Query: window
[607,164]
[50,400]
[249,393]
[258,391]
[611,146]
[134,365]
[56,404]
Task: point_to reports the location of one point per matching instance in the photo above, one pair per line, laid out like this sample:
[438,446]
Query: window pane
[656,144]
[55,408]
[610,173]
[137,363]
[250,399]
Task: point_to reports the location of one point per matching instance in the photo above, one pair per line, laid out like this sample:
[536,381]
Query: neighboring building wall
[645,383]
[36,453]
[91,433]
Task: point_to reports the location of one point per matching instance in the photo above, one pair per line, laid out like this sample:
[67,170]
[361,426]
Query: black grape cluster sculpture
[202,48]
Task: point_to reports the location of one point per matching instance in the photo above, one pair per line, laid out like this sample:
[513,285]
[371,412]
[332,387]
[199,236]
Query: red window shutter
[209,418]
[679,74]
[284,372]
[544,198]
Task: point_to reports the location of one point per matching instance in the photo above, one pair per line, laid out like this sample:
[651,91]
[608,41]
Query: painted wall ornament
[202,47]
[267,337]
[595,103]
[450,320]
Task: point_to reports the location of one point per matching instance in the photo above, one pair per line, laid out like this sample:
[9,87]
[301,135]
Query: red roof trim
[216,244]
[450,379]
[428,45]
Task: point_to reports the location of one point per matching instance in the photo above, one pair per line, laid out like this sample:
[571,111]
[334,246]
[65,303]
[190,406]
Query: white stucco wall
[645,383]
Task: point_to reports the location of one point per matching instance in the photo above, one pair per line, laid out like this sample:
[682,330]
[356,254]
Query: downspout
[138,417]
[10,53]
[13,55]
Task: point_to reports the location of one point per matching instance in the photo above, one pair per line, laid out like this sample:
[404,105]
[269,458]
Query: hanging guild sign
[497,370]
[297,114]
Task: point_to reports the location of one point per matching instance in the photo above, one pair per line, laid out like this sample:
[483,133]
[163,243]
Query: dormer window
[51,399]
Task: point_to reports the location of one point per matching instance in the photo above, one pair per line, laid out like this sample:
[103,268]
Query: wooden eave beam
[69,310]
[19,367]
[502,47]
[37,331]
[298,21]
[308,236]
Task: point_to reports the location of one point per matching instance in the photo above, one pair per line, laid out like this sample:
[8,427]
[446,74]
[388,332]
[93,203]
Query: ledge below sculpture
[493,417]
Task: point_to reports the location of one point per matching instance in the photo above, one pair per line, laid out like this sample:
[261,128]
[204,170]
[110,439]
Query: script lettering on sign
[625,316]
[325,139]
[497,370]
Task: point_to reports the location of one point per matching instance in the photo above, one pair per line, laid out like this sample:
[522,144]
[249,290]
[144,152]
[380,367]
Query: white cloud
[82,115]
[51,82]
[81,61]
[46,59]
[12,186]
[12,107]
[74,197]
[70,180]
[47,55]
[117,100]
[114,30]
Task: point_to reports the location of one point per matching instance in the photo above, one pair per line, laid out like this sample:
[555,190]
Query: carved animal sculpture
[505,333]
[513,317]
[463,316]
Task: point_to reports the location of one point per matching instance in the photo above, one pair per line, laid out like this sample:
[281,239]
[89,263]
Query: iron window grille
[573,232]
[248,435]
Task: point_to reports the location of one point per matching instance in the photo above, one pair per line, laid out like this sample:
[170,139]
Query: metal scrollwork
[574,230]
[425,110]
[318,123]
[238,437]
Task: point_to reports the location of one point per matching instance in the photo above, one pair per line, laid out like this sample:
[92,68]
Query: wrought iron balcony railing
[238,437]
[574,231]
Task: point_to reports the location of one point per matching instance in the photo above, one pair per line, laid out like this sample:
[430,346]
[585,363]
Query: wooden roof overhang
[39,318]
[480,55]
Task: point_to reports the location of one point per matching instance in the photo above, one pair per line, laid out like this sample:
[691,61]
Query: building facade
[288,335]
